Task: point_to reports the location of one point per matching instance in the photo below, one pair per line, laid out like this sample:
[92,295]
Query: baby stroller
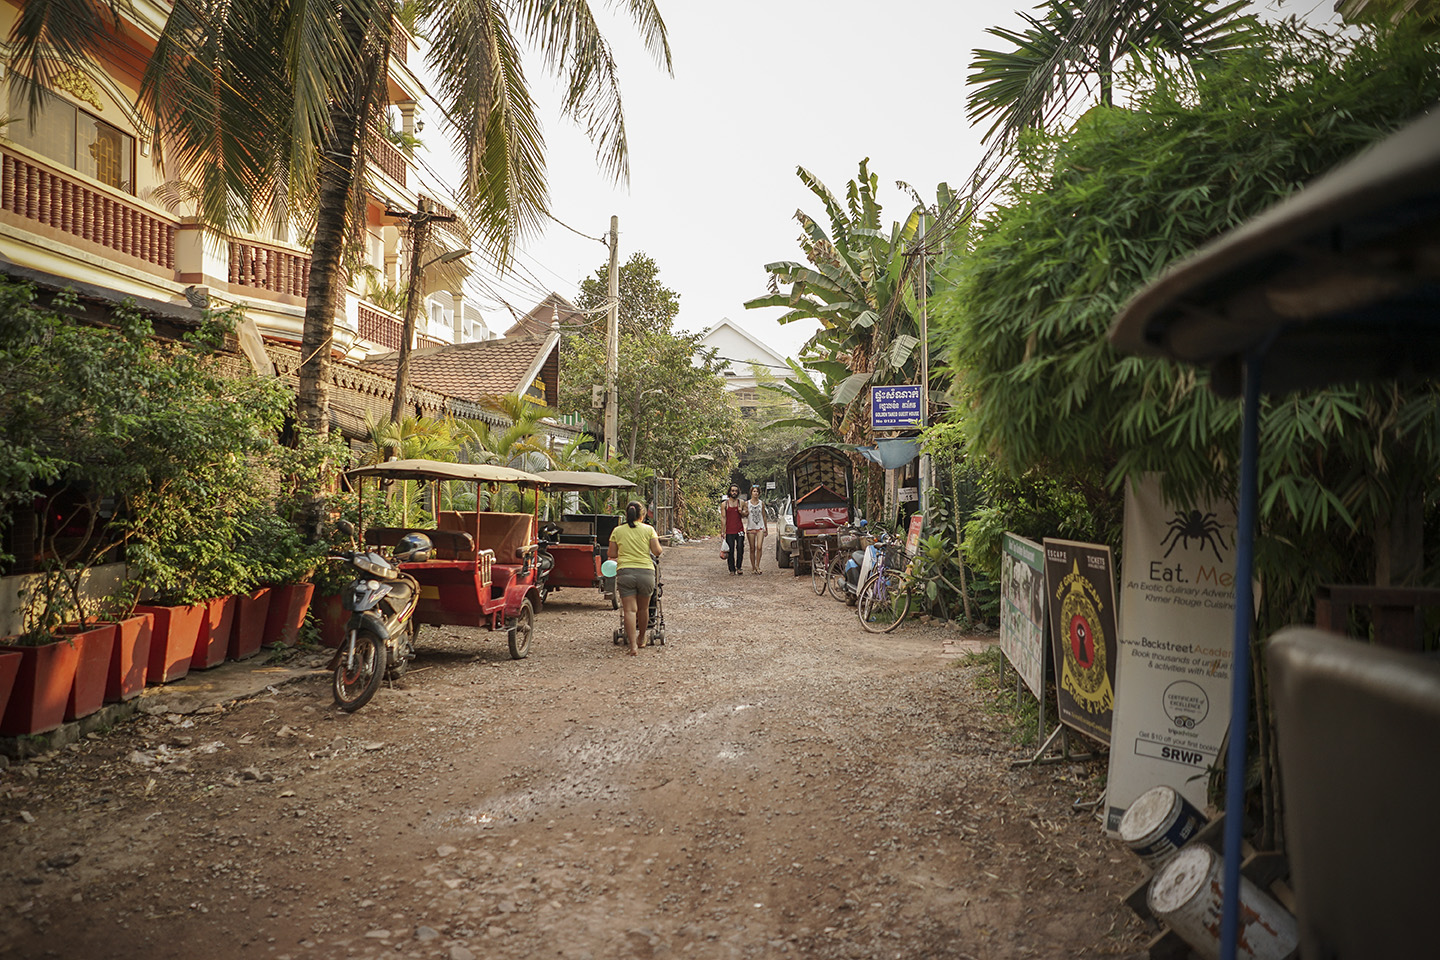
[656,634]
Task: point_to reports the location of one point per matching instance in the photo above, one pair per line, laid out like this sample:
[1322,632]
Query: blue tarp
[892,454]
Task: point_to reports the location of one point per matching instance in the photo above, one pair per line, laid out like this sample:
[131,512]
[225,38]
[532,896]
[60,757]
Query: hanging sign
[1177,610]
[1022,609]
[1080,591]
[895,407]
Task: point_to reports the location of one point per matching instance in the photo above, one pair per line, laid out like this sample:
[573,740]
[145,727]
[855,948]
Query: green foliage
[1059,52]
[674,416]
[129,442]
[1097,214]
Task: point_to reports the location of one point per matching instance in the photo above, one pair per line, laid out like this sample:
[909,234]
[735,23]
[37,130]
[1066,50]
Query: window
[69,135]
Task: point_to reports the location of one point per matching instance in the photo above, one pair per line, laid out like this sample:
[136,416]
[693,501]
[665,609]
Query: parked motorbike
[844,583]
[379,637]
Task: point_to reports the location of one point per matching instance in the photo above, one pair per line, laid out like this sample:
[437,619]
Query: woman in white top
[754,516]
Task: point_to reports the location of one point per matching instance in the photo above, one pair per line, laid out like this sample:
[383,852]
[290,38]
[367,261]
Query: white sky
[760,87]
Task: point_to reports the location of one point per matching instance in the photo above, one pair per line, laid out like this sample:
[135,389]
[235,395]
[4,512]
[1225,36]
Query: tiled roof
[474,371]
[537,322]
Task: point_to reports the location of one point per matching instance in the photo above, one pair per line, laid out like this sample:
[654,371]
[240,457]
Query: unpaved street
[772,782]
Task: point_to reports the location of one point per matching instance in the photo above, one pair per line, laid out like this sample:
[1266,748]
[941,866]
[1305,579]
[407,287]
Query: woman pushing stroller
[634,547]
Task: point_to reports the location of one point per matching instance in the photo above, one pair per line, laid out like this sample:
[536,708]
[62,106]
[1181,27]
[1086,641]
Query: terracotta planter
[42,688]
[9,666]
[212,640]
[332,617]
[172,640]
[95,643]
[130,660]
[288,604]
[251,611]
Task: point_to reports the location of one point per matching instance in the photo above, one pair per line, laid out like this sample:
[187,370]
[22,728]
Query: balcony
[50,196]
[385,329]
[261,267]
[391,161]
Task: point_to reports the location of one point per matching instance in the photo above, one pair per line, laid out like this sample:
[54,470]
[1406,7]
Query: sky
[760,87]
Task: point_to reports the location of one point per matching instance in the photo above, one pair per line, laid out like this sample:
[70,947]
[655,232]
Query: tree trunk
[335,183]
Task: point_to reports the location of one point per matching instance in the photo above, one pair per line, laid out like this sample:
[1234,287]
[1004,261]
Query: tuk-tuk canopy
[584,480]
[440,470]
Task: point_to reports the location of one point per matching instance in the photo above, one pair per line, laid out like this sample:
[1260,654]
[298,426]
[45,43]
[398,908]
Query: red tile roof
[479,371]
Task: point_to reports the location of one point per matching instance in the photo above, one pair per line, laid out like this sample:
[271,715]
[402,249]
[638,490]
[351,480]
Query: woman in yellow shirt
[633,544]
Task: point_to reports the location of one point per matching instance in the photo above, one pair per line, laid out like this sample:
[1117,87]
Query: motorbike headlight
[372,584]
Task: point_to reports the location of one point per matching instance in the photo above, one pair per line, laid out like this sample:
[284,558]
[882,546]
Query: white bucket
[1158,824]
[1185,894]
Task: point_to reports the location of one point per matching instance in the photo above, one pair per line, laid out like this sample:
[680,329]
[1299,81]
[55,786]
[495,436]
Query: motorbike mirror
[345,528]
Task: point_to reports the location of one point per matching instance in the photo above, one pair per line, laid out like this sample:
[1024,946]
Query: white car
[784,532]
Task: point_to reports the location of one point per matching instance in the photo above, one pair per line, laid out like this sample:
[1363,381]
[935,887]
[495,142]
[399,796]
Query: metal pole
[925,464]
[612,343]
[1240,665]
[419,236]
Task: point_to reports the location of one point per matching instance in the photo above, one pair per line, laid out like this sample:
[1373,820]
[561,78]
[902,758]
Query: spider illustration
[1198,526]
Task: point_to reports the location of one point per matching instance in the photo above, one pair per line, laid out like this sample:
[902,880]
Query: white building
[743,354]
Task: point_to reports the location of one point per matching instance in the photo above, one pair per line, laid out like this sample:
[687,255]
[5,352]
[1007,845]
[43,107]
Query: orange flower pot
[212,640]
[94,643]
[288,605]
[42,688]
[251,611]
[172,640]
[130,660]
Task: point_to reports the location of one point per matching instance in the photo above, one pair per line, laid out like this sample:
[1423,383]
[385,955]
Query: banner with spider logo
[1080,592]
[1177,609]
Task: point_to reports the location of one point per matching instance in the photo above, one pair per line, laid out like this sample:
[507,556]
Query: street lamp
[449,256]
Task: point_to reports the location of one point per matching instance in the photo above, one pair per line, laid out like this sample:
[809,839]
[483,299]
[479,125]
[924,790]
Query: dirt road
[772,782]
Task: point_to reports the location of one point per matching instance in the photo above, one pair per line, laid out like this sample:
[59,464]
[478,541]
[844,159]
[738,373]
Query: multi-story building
[82,203]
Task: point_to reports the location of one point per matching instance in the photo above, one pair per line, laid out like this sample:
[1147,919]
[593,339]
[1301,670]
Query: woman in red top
[732,509]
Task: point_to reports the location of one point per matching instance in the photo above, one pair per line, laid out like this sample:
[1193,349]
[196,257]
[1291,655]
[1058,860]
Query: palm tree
[815,410]
[1073,42]
[263,107]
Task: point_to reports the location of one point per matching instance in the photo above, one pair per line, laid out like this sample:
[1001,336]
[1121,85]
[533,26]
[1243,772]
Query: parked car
[784,532]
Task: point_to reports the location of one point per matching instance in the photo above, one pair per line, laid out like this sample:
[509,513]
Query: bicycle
[820,560]
[884,598]
[848,539]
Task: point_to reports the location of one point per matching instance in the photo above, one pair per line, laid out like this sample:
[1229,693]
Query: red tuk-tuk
[823,482]
[574,547]
[484,568]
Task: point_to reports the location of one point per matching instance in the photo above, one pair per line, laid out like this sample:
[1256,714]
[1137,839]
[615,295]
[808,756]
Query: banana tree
[863,283]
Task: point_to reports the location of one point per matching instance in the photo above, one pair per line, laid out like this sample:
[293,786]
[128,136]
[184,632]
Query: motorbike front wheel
[360,670]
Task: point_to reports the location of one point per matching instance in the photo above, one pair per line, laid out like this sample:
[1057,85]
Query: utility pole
[612,344]
[420,222]
[925,465]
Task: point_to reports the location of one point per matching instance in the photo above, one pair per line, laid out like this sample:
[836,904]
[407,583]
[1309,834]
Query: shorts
[635,581]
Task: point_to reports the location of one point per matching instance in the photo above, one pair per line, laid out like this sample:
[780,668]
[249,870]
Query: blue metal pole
[1240,665]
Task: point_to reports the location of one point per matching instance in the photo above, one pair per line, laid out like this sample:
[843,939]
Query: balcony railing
[55,199]
[387,157]
[380,327]
[269,268]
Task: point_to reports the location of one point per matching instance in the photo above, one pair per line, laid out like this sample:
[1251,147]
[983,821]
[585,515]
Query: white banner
[1022,609]
[1177,617]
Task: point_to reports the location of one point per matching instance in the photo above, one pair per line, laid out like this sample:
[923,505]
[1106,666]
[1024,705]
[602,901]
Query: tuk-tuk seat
[604,525]
[577,531]
[448,544]
[507,534]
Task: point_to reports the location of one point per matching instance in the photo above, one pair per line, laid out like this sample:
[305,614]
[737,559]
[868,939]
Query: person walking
[755,527]
[732,508]
[634,547]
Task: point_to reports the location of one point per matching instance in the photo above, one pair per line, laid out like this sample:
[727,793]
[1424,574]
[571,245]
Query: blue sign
[895,407]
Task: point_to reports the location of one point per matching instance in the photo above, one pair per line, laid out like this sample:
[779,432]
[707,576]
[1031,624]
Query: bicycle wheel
[837,578]
[820,571]
[883,601]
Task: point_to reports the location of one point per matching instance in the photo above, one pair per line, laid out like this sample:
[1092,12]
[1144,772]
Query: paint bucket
[1186,895]
[1158,824]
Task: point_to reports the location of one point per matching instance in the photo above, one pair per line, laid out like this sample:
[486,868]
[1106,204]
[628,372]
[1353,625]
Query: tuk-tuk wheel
[521,631]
